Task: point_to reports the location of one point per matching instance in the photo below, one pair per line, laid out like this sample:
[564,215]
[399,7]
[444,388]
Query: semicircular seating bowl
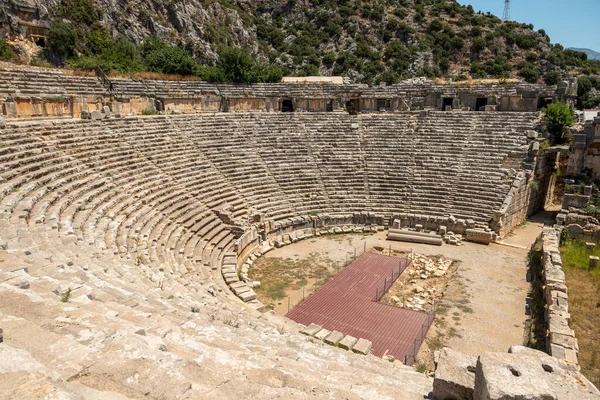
[124,211]
[151,186]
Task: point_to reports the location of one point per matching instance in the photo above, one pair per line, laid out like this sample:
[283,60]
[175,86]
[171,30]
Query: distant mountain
[592,55]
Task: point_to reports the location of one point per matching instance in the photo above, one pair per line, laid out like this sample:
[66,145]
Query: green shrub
[552,78]
[5,52]
[238,66]
[526,42]
[160,57]
[97,41]
[62,39]
[530,74]
[478,45]
[80,11]
[560,116]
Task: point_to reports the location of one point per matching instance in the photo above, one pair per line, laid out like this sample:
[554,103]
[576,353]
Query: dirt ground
[483,307]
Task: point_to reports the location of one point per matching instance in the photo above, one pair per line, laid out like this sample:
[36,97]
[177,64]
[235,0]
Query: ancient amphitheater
[122,235]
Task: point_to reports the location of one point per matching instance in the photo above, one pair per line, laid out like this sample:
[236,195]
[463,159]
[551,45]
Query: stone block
[334,338]
[348,342]
[590,247]
[566,341]
[322,334]
[442,230]
[593,262]
[501,376]
[454,376]
[418,227]
[247,296]
[478,236]
[2,123]
[311,330]
[95,114]
[362,346]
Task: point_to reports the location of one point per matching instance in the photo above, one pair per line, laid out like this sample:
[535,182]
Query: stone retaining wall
[560,340]
[527,194]
[29,88]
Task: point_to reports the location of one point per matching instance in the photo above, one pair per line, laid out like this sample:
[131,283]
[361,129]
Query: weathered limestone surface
[454,376]
[121,237]
[522,373]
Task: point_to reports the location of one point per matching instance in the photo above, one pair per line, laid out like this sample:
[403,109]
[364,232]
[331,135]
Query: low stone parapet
[560,338]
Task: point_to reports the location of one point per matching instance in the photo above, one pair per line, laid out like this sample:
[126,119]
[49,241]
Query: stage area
[348,304]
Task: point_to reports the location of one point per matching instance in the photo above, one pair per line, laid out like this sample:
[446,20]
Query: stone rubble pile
[422,269]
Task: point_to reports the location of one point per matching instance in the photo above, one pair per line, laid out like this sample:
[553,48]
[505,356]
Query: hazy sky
[572,23]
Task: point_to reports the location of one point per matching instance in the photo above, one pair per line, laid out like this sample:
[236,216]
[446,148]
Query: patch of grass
[584,305]
[421,367]
[195,309]
[453,333]
[65,297]
[278,276]
[575,255]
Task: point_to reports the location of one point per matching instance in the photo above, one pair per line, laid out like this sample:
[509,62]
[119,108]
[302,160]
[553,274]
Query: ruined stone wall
[528,193]
[560,340]
[247,243]
[24,88]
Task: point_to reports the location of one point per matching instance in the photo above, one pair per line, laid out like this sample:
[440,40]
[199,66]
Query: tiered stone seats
[80,322]
[128,214]
[149,184]
[49,82]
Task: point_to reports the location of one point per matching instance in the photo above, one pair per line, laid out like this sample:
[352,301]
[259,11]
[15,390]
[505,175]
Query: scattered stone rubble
[419,234]
[522,373]
[423,295]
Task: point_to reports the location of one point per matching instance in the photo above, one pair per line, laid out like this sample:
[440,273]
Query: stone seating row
[77,319]
[96,180]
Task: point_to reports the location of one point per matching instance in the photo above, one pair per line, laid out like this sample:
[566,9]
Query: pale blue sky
[572,23]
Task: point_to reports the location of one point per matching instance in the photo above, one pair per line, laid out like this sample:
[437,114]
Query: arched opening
[544,101]
[287,105]
[352,106]
[480,103]
[447,103]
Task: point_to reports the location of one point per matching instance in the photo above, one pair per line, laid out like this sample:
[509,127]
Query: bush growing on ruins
[560,116]
[5,53]
[66,296]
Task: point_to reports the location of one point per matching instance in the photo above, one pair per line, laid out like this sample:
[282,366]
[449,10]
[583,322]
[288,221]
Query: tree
[560,116]
[552,78]
[530,74]
[62,39]
[236,64]
[161,57]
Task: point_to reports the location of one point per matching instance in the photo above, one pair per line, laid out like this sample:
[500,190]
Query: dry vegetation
[584,306]
[283,277]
